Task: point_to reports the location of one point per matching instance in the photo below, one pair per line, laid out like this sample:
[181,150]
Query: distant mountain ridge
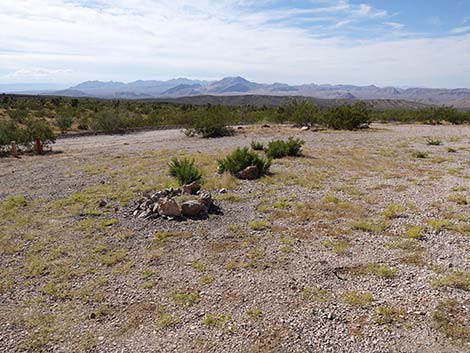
[230,86]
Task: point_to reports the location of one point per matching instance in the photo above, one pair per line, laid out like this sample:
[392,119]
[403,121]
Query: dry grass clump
[388,315]
[381,270]
[455,279]
[451,319]
[354,298]
[315,294]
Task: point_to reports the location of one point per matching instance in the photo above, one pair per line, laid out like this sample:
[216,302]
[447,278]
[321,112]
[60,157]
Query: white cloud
[460,30]
[147,39]
[34,73]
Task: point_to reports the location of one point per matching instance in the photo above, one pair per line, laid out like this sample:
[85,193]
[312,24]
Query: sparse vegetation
[280,149]
[455,279]
[381,270]
[184,170]
[451,319]
[242,158]
[257,146]
[385,315]
[361,299]
[259,225]
[415,232]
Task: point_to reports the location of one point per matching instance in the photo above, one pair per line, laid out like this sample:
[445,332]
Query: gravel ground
[219,285]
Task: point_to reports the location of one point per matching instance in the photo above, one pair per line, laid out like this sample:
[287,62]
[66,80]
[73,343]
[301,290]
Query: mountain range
[230,86]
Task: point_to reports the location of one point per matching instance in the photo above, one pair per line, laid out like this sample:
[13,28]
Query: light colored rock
[168,208]
[206,199]
[249,173]
[192,208]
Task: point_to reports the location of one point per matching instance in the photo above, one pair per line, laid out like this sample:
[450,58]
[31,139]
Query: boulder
[192,208]
[206,199]
[168,208]
[191,189]
[249,173]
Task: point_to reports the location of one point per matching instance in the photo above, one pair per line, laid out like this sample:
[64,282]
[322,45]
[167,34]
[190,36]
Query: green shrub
[257,146]
[279,149]
[348,117]
[211,122]
[184,170]
[301,112]
[64,122]
[108,120]
[242,158]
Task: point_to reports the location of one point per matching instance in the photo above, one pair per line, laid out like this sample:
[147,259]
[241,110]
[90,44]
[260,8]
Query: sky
[381,42]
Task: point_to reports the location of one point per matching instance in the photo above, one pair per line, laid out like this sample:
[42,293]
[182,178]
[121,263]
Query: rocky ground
[360,245]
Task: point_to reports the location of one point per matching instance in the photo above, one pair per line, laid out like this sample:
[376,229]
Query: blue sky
[381,42]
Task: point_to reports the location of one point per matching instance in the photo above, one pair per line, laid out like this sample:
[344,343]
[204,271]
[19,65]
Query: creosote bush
[184,170]
[211,122]
[347,117]
[242,158]
[279,148]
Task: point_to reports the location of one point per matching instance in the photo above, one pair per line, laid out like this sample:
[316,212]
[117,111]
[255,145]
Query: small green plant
[434,142]
[257,146]
[184,171]
[338,247]
[362,299]
[216,320]
[165,320]
[259,225]
[387,315]
[254,314]
[393,211]
[420,154]
[280,149]
[199,266]
[315,294]
[451,150]
[185,298]
[456,279]
[415,232]
[459,199]
[241,159]
[381,270]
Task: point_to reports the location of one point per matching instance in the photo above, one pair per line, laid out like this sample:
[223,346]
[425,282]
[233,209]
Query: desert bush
[241,159]
[211,122]
[184,170]
[34,130]
[279,148]
[347,117]
[257,146]
[107,120]
[64,122]
[301,112]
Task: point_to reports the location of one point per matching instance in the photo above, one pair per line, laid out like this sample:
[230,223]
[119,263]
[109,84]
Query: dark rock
[191,189]
[102,203]
[249,173]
